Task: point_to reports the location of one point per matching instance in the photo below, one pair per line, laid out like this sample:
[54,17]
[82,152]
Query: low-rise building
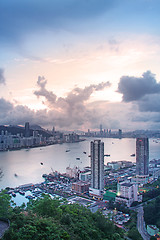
[80,187]
[152,230]
[85,176]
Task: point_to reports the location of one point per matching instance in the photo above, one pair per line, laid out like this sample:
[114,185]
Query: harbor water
[27,166]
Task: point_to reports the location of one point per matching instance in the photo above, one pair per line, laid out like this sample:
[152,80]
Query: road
[3,227]
[141,224]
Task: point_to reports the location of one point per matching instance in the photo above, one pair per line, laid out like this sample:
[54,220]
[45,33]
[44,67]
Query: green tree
[4,204]
[47,207]
[48,219]
[134,234]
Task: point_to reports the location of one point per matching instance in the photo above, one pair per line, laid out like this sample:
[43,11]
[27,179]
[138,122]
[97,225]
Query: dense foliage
[134,234]
[47,219]
[153,190]
[152,212]
[4,204]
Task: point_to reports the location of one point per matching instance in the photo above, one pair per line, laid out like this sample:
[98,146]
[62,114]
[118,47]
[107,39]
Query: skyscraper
[120,133]
[101,129]
[142,157]
[97,167]
[27,129]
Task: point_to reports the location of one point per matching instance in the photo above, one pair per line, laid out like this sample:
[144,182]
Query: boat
[107,155]
[78,158]
[84,152]
[67,150]
[13,194]
[133,155]
[21,192]
[30,197]
[15,175]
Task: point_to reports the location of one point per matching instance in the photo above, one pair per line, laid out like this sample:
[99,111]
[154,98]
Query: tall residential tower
[97,168]
[27,129]
[142,157]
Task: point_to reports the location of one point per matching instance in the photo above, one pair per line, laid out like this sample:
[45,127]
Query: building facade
[142,157]
[97,168]
[127,192]
[27,129]
[80,187]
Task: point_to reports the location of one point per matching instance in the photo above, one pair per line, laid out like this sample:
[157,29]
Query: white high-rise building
[128,193]
[97,168]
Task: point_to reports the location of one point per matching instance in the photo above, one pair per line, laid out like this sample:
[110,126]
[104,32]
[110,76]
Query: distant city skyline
[78,65]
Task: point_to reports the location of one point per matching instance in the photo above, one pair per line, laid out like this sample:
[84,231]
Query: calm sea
[27,165]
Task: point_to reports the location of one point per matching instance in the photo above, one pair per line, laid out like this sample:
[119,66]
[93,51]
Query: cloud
[135,88]
[50,96]
[143,92]
[76,111]
[90,115]
[150,103]
[2,78]
[76,96]
[18,18]
[5,106]
[70,110]
[73,111]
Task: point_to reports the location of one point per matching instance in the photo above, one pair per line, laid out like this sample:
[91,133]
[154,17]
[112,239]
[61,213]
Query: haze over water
[27,164]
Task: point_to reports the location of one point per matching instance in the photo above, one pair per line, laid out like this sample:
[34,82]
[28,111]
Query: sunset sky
[76,64]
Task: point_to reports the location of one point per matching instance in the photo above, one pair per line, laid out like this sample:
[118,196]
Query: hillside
[48,219]
[14,130]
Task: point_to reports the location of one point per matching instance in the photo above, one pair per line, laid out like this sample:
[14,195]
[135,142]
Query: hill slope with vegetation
[48,219]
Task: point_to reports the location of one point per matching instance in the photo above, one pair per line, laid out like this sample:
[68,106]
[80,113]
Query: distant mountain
[36,127]
[14,130]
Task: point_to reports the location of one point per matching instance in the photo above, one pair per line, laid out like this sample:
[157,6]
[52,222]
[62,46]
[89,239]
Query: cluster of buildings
[32,138]
[127,189]
[20,140]
[110,133]
[107,133]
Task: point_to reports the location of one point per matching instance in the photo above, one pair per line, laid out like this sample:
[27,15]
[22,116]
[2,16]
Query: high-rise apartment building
[142,157]
[101,129]
[27,129]
[120,133]
[97,168]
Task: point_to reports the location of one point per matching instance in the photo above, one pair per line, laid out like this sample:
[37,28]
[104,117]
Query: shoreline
[36,146]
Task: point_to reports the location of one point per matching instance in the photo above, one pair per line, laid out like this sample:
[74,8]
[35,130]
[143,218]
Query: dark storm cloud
[134,88]
[147,118]
[2,78]
[22,17]
[89,115]
[5,106]
[150,103]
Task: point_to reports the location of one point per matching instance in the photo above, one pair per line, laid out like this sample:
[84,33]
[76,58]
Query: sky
[77,64]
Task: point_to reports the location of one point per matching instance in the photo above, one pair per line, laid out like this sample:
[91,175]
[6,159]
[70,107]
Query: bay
[29,165]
